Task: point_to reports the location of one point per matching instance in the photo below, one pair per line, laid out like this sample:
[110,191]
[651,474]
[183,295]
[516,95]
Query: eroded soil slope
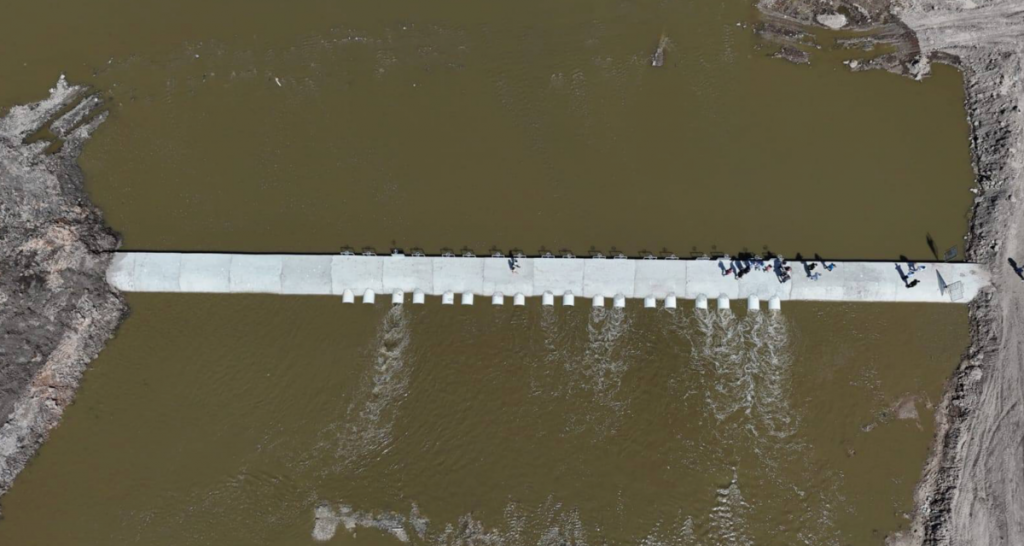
[973,488]
[56,309]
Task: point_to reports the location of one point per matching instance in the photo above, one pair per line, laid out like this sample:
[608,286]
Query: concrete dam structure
[655,281]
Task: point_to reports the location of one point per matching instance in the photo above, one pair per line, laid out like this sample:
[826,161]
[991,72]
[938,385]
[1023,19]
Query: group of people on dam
[911,269]
[743,266]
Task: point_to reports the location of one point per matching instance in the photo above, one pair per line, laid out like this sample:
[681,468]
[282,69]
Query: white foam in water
[560,347]
[720,354]
[418,522]
[326,524]
[729,515]
[327,520]
[743,364]
[771,357]
[745,373]
[604,360]
[678,534]
[548,524]
[371,414]
[555,525]
[548,322]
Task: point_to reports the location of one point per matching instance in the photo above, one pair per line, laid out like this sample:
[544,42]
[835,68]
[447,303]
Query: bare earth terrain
[56,309]
[973,487]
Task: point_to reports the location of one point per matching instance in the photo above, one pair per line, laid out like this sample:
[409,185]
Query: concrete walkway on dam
[399,277]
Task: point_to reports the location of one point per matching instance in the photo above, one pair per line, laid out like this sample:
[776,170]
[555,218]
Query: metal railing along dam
[463,278]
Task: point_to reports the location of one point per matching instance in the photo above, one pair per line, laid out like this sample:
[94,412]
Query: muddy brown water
[268,126]
[229,419]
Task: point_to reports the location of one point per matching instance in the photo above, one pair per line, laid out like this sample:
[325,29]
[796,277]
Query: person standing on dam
[827,266]
[906,278]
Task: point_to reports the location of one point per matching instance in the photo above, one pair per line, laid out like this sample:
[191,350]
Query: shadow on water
[931,246]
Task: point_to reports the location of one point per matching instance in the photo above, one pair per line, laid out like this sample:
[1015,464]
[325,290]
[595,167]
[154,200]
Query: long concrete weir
[656,281]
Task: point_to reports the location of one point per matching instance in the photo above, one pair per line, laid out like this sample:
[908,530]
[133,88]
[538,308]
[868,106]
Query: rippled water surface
[236,419]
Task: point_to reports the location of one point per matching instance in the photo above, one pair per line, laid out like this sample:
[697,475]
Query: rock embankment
[56,309]
[971,489]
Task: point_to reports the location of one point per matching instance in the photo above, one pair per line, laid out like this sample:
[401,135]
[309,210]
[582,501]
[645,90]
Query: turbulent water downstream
[245,419]
[529,125]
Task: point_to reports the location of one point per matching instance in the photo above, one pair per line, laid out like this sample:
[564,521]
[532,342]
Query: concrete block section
[590,278]
[306,275]
[762,285]
[206,273]
[659,278]
[609,277]
[458,275]
[834,289]
[705,277]
[558,275]
[972,278]
[121,273]
[157,272]
[938,283]
[408,274]
[860,282]
[872,282]
[499,278]
[256,274]
[357,273]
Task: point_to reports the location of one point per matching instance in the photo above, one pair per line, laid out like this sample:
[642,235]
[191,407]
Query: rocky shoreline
[970,490]
[56,309]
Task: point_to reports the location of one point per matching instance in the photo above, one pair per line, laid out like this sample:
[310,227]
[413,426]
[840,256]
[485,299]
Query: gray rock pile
[56,309]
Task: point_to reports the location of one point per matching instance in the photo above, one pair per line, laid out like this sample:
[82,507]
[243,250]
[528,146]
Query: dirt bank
[972,488]
[56,309]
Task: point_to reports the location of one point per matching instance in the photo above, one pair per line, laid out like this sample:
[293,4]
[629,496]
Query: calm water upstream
[302,126]
[312,125]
